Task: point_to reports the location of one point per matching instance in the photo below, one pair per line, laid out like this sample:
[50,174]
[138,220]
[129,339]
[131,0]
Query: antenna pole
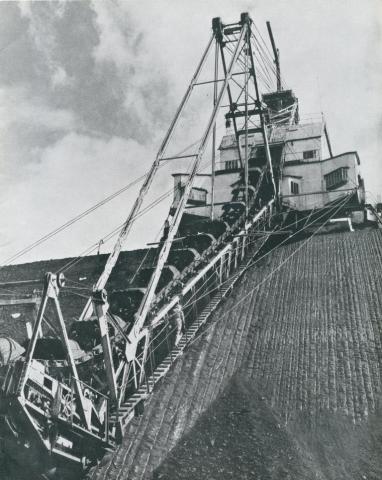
[328,140]
[276,54]
[246,80]
[214,131]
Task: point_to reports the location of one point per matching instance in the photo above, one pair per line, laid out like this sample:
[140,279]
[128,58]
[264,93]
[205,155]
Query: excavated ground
[284,384]
[239,436]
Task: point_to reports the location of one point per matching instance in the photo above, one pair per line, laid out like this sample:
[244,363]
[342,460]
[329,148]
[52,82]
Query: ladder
[128,410]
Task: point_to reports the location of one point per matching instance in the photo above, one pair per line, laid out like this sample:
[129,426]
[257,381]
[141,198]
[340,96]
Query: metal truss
[126,354]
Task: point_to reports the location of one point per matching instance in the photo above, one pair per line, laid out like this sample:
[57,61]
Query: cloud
[88,89]
[42,18]
[27,125]
[124,43]
[17,108]
[73,174]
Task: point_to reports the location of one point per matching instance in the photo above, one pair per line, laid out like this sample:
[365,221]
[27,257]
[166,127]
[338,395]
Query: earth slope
[284,383]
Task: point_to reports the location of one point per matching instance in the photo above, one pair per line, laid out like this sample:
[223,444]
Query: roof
[80,279]
[295,359]
[285,133]
[228,141]
[280,133]
[83,273]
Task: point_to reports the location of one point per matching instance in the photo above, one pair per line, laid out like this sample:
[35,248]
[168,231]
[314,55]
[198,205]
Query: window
[336,178]
[198,196]
[48,383]
[308,154]
[231,164]
[250,141]
[294,188]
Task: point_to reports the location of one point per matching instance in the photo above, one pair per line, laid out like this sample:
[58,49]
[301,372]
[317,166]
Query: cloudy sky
[87,90]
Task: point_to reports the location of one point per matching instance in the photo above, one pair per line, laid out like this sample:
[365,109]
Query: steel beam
[231,102]
[101,307]
[262,122]
[20,301]
[276,54]
[213,163]
[175,221]
[113,257]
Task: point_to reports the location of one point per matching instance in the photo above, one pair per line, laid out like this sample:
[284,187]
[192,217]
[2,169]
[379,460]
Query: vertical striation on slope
[308,338]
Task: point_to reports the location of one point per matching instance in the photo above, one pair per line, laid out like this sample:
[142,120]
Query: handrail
[159,316]
[374,210]
[202,257]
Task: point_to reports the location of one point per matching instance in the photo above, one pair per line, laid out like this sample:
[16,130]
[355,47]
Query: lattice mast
[237,36]
[76,418]
[236,80]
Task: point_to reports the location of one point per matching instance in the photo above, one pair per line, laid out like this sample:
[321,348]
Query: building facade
[307,174]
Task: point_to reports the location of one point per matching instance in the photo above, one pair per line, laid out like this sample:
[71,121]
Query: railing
[10,378]
[205,256]
[46,395]
[196,295]
[5,372]
[310,201]
[219,260]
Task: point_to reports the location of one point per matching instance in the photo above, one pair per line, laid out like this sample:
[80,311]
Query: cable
[83,214]
[144,258]
[113,232]
[71,221]
[116,230]
[266,278]
[305,226]
[72,292]
[267,53]
[281,243]
[81,284]
[217,287]
[214,272]
[268,63]
[261,62]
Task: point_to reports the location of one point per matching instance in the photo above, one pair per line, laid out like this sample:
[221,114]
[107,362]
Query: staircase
[134,405]
[232,264]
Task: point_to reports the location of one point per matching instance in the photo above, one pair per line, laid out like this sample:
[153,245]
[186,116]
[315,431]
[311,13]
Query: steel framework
[128,353]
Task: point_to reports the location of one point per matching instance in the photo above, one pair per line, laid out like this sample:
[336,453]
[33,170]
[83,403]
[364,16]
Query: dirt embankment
[303,343]
[241,437]
[308,340]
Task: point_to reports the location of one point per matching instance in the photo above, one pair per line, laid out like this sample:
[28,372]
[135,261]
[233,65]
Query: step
[125,408]
[163,368]
[135,396]
[160,370]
